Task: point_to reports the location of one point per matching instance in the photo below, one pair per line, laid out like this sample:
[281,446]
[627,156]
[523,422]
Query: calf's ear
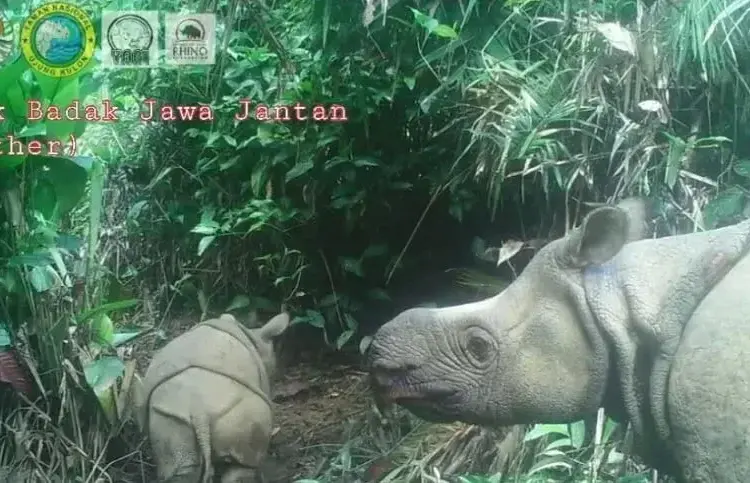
[601,236]
[275,327]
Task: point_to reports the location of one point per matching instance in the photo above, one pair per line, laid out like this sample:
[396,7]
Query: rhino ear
[640,211]
[603,234]
[275,327]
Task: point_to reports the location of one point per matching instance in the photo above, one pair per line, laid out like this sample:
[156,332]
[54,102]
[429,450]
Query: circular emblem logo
[58,39]
[190,29]
[130,38]
[130,32]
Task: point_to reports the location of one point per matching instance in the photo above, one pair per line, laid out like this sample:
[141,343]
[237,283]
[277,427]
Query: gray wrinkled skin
[205,401]
[654,330]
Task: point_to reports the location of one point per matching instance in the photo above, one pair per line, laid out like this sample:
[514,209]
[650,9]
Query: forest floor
[319,402]
[327,430]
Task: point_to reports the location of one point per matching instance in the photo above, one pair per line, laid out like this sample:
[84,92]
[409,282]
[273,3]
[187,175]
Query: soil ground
[319,401]
[317,408]
[328,430]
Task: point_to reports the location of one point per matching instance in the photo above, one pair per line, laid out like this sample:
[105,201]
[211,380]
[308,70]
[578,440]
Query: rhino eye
[478,347]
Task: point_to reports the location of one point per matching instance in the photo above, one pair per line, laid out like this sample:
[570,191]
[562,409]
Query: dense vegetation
[470,123]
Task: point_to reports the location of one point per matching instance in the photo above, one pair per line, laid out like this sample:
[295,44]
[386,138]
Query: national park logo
[58,39]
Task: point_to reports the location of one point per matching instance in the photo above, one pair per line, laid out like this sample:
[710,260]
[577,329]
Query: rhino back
[212,350]
[219,398]
[708,398]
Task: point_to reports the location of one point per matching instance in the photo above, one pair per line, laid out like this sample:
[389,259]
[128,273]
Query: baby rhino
[204,401]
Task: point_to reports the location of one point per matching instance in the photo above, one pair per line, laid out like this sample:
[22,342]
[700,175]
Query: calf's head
[530,354]
[263,339]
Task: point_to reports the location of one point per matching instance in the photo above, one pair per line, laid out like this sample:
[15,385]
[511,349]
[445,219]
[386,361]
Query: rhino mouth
[401,391]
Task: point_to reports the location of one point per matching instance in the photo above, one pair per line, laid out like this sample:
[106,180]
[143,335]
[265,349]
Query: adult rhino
[656,331]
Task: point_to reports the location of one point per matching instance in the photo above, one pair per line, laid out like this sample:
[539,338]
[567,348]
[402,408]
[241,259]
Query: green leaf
[360,162]
[352,265]
[328,300]
[121,338]
[212,138]
[445,31]
[229,163]
[265,134]
[206,228]
[102,329]
[364,344]
[48,85]
[32,130]
[558,443]
[36,259]
[378,294]
[239,302]
[5,339]
[66,180]
[43,199]
[102,373]
[424,21]
[108,307]
[351,322]
[342,339]
[298,170]
[230,140]
[375,251]
[85,162]
[410,82]
[69,181]
[577,434]
[205,243]
[159,177]
[540,430]
[725,206]
[10,281]
[311,317]
[43,278]
[11,73]
[67,93]
[609,428]
[642,478]
[8,162]
[742,168]
[16,102]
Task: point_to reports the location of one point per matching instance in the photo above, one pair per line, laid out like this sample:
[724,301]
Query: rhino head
[263,339]
[532,353]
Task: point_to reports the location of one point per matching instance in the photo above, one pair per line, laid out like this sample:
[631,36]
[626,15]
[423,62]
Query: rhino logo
[192,38]
[190,30]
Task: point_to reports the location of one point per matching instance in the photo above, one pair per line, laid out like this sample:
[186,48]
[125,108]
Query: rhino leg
[174,445]
[243,433]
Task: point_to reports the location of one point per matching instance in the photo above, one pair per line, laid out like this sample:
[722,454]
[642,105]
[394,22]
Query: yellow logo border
[87,30]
